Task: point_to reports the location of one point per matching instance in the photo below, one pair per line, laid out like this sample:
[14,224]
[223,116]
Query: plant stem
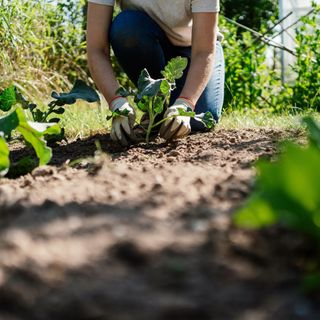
[151,119]
[163,120]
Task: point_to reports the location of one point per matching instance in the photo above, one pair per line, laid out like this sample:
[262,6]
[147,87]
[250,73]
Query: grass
[83,120]
[258,119]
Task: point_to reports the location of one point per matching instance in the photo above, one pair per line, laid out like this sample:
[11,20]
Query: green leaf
[38,115]
[147,86]
[118,113]
[175,68]
[186,113]
[288,192]
[32,132]
[80,90]
[25,104]
[7,99]
[124,92]
[206,119]
[158,105]
[54,120]
[256,214]
[9,123]
[143,104]
[4,156]
[311,283]
[165,87]
[22,166]
[59,111]
[314,131]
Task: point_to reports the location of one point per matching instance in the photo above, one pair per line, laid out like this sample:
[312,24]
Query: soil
[146,233]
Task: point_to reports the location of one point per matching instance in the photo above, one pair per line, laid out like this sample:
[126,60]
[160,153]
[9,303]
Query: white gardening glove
[176,127]
[122,125]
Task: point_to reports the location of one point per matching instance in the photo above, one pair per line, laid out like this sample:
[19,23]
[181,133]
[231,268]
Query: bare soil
[146,233]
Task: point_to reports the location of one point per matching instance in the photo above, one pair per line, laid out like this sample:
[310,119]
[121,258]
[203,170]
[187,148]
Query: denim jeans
[139,42]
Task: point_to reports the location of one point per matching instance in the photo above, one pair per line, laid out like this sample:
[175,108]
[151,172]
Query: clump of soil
[146,233]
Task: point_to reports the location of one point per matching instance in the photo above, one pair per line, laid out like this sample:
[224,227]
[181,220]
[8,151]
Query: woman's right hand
[122,124]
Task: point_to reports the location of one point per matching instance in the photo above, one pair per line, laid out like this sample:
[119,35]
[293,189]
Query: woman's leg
[213,95]
[138,42]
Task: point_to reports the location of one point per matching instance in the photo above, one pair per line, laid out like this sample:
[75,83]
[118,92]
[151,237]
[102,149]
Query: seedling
[152,96]
[41,129]
[56,107]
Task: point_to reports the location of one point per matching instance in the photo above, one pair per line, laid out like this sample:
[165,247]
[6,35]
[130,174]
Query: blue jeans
[139,42]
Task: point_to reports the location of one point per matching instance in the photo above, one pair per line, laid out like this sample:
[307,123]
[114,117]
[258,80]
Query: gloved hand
[122,125]
[176,127]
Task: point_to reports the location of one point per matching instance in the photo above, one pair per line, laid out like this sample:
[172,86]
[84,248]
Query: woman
[147,34]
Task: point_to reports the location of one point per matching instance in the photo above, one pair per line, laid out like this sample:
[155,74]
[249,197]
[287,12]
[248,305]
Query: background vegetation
[42,47]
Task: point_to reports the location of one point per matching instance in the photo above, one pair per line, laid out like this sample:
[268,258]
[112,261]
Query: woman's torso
[174,16]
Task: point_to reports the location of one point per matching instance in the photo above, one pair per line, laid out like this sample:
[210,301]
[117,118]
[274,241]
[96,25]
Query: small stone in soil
[174,153]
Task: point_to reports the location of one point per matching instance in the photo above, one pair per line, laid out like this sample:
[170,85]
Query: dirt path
[145,233]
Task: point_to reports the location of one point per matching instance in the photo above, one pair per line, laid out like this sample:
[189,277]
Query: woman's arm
[204,36]
[98,24]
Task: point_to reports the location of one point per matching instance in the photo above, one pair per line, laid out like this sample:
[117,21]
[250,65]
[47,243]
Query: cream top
[173,16]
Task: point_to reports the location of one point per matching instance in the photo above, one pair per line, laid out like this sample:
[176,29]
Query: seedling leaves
[4,156]
[147,86]
[118,113]
[7,98]
[206,119]
[158,105]
[314,131]
[32,132]
[165,87]
[186,113]
[80,90]
[175,68]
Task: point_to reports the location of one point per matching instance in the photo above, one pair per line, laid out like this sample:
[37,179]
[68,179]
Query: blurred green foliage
[306,88]
[288,191]
[253,81]
[252,13]
[42,47]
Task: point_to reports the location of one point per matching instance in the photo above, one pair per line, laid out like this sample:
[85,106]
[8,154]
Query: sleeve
[105,2]
[205,5]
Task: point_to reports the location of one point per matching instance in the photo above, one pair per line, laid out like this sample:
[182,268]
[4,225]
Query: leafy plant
[40,130]
[33,133]
[152,95]
[306,87]
[288,191]
[56,107]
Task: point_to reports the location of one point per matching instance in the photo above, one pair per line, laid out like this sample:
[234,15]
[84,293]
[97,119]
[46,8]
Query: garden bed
[146,233]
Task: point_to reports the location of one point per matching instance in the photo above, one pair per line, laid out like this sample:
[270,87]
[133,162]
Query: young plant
[42,129]
[152,96]
[32,132]
[56,107]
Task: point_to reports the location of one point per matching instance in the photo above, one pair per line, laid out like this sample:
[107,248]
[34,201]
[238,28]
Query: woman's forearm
[198,76]
[102,73]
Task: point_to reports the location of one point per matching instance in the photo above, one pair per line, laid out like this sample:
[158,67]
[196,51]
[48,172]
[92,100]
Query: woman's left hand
[178,126]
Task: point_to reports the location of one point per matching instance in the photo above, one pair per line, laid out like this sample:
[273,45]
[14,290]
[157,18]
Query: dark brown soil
[145,233]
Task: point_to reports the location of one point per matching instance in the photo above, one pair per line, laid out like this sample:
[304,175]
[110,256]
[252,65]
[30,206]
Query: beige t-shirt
[173,16]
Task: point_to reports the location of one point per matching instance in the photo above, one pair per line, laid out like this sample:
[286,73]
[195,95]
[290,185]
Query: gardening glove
[176,127]
[122,125]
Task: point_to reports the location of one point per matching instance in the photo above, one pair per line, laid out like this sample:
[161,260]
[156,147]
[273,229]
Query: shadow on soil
[118,276]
